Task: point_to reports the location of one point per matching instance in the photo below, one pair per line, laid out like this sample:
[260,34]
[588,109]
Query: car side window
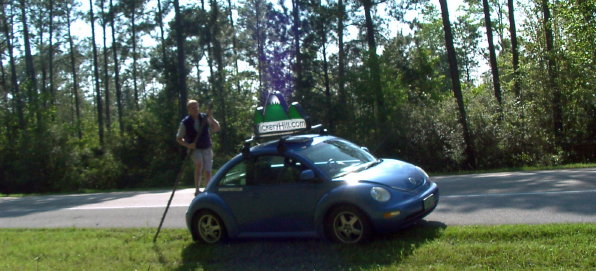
[291,171]
[236,176]
[274,169]
[266,168]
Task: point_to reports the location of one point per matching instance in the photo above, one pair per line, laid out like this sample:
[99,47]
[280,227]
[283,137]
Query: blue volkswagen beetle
[307,186]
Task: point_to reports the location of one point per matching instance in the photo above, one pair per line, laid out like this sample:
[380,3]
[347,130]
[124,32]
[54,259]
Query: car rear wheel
[209,228]
[348,225]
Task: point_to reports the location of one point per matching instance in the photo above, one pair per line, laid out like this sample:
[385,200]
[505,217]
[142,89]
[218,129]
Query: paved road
[497,198]
[535,197]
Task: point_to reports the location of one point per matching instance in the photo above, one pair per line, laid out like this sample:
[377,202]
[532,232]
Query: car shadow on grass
[310,254]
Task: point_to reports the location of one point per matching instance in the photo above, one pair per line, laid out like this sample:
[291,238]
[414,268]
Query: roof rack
[319,129]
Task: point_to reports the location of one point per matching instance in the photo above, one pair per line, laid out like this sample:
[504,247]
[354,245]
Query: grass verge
[427,246]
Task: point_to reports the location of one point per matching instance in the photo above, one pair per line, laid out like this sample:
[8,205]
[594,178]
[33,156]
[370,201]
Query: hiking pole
[177,180]
[172,195]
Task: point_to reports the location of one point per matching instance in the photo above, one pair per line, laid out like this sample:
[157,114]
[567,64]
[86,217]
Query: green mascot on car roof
[277,118]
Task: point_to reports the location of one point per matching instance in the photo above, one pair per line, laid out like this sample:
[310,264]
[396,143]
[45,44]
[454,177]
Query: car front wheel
[209,228]
[348,225]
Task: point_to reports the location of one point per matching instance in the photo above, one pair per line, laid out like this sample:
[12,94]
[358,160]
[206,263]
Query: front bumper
[399,215]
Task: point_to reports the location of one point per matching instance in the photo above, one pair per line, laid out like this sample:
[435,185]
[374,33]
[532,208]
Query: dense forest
[92,92]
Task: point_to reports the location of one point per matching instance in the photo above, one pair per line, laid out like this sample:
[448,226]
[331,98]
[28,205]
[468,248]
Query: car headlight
[380,194]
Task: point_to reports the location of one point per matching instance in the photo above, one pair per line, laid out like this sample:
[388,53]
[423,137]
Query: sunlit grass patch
[422,247]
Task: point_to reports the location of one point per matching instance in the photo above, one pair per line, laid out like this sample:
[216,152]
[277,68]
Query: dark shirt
[204,140]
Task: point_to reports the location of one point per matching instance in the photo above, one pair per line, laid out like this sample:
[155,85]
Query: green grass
[423,247]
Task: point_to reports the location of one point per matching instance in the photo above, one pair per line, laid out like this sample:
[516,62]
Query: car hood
[393,173]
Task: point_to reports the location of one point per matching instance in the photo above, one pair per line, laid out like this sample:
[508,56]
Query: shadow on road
[558,190]
[309,254]
[16,207]
[518,182]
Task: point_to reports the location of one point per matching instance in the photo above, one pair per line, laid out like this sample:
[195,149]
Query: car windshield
[338,157]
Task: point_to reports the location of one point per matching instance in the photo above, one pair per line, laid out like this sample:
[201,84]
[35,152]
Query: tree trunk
[514,50]
[197,64]
[106,76]
[9,130]
[493,55]
[552,74]
[75,83]
[341,89]
[43,91]
[171,92]
[456,86]
[51,53]
[100,124]
[134,56]
[13,70]
[298,85]
[161,32]
[219,86]
[116,71]
[260,51]
[208,41]
[234,47]
[29,68]
[374,68]
[181,68]
[330,113]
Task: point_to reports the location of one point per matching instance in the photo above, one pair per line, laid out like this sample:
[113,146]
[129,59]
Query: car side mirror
[365,149]
[308,175]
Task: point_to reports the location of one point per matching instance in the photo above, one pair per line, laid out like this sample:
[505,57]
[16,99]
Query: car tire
[208,227]
[348,225]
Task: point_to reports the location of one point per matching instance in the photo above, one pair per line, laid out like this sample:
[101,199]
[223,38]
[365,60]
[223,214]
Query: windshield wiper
[359,168]
[372,164]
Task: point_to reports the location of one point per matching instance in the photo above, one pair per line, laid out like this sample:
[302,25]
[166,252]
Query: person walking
[194,134]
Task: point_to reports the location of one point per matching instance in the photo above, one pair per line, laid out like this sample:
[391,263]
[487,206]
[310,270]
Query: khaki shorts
[204,156]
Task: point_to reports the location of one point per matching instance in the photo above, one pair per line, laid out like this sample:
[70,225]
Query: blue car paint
[358,195]
[352,189]
[394,175]
[212,202]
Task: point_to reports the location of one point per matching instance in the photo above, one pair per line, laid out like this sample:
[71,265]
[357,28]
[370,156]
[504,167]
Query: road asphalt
[530,197]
